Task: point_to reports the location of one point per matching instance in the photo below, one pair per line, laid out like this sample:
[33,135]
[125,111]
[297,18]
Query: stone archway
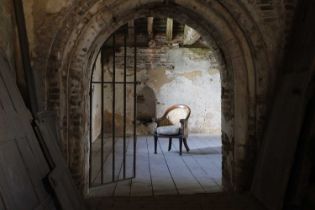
[244,78]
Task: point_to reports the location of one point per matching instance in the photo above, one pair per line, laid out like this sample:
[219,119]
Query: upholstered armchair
[173,124]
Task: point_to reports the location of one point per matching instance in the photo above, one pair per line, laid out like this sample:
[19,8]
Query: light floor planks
[165,173]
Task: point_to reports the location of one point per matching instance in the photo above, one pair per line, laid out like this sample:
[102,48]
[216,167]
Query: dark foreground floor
[214,201]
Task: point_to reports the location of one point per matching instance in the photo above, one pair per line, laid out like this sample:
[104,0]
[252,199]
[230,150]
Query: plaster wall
[176,75]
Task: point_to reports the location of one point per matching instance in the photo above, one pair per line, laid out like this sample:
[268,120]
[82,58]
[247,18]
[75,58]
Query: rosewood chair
[173,124]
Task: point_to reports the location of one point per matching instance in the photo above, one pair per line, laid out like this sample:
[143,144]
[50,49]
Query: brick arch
[244,75]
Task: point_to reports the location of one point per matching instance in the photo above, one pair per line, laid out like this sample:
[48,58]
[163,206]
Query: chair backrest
[177,112]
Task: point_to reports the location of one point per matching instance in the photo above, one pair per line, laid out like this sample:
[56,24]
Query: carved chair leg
[185,144]
[155,144]
[170,144]
[180,146]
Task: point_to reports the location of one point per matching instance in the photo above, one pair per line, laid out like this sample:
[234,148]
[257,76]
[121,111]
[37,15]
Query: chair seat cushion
[168,130]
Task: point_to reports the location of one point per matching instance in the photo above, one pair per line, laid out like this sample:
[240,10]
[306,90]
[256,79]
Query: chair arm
[184,126]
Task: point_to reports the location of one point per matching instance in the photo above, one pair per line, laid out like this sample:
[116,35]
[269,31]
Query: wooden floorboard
[209,163]
[165,173]
[182,176]
[107,189]
[96,161]
[208,185]
[142,184]
[123,187]
[162,180]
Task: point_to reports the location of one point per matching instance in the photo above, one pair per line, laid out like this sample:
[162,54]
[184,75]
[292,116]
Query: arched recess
[228,26]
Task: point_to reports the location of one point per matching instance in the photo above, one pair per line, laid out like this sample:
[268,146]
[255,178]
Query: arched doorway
[145,67]
[243,82]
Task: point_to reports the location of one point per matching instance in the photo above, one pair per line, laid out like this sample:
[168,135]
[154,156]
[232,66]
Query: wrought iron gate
[113,129]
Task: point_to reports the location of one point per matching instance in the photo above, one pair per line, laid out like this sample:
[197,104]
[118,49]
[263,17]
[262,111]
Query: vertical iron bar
[113,108]
[125,95]
[135,103]
[102,119]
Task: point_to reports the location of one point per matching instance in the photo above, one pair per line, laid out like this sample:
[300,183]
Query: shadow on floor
[214,201]
[206,151]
